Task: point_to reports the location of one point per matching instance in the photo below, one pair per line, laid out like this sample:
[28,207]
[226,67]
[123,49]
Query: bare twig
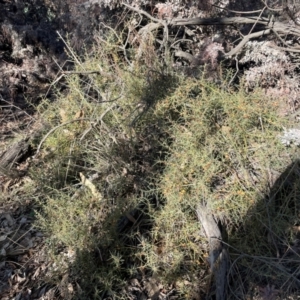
[161,22]
[270,8]
[236,72]
[280,38]
[80,72]
[289,49]
[290,14]
[15,106]
[257,20]
[238,12]
[142,12]
[69,49]
[271,26]
[219,21]
[100,119]
[185,55]
[277,26]
[58,78]
[55,128]
[246,39]
[179,41]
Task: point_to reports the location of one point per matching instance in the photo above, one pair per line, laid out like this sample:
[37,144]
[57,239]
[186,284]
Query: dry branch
[246,39]
[11,157]
[219,21]
[278,28]
[159,22]
[55,128]
[218,255]
[271,26]
[185,55]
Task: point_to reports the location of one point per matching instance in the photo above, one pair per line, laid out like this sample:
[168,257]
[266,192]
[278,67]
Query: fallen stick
[218,255]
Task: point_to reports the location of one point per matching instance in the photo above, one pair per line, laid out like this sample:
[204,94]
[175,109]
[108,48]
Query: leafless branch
[219,21]
[161,22]
[80,72]
[238,12]
[185,55]
[246,39]
[99,120]
[218,254]
[54,129]
[270,8]
[271,26]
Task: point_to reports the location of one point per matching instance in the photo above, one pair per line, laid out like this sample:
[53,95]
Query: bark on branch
[11,157]
[218,255]
[219,21]
[278,28]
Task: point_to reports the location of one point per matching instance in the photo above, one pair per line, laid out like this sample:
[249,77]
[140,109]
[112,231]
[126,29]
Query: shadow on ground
[265,250]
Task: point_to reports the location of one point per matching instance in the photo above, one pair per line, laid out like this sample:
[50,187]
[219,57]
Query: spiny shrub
[221,147]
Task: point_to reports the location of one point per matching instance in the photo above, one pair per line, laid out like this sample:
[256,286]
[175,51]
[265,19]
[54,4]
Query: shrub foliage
[135,147]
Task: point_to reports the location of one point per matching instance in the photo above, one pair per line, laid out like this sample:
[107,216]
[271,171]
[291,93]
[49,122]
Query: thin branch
[179,41]
[81,72]
[220,21]
[280,38]
[185,55]
[269,8]
[55,128]
[238,12]
[246,39]
[15,106]
[290,14]
[278,26]
[69,49]
[270,26]
[257,19]
[236,72]
[161,22]
[142,12]
[97,121]
[289,49]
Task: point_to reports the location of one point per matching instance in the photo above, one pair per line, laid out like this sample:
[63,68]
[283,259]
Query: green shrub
[223,146]
[145,130]
[104,125]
